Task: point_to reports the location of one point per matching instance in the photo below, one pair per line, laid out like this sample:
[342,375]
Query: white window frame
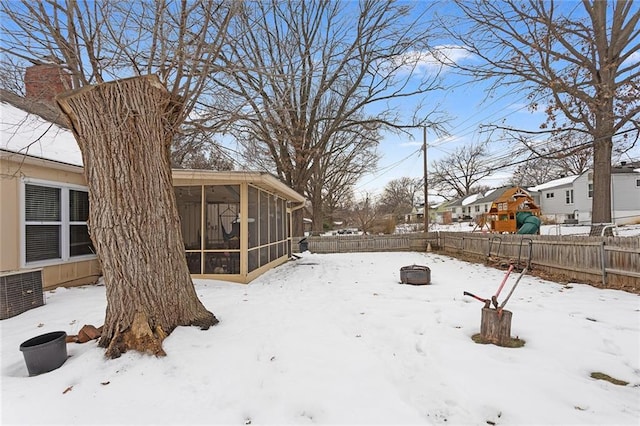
[65,224]
[568,196]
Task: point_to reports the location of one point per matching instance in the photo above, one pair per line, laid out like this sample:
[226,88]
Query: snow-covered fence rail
[612,262]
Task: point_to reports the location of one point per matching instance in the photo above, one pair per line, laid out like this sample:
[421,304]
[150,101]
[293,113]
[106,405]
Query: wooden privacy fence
[612,262]
[365,243]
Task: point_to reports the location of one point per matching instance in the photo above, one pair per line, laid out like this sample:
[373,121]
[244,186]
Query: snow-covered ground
[335,339]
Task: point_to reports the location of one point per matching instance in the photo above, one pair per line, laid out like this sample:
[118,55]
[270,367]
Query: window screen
[42,203]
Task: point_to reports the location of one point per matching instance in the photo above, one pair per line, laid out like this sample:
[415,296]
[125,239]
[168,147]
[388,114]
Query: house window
[569,196]
[590,190]
[55,223]
[477,209]
[638,182]
[549,194]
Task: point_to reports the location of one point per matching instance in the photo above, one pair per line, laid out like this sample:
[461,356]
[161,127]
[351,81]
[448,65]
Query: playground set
[513,212]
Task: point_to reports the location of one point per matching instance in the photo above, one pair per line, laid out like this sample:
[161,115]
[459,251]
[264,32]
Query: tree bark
[297,219]
[601,202]
[317,226]
[124,130]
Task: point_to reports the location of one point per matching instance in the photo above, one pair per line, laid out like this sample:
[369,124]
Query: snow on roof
[29,134]
[470,199]
[554,183]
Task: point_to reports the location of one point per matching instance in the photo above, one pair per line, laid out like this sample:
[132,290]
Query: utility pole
[426,185]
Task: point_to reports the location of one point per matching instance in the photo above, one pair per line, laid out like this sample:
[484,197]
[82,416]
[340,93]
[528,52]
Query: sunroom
[235,225]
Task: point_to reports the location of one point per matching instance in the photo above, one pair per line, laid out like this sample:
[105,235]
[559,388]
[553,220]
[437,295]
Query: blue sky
[469,110]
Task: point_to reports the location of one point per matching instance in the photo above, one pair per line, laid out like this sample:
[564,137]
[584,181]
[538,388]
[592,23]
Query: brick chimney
[44,81]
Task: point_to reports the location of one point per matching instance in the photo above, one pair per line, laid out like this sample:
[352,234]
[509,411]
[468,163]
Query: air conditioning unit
[19,292]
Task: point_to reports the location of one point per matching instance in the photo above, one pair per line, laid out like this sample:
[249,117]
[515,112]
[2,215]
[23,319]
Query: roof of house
[554,183]
[29,134]
[626,167]
[457,202]
[32,136]
[493,194]
[471,199]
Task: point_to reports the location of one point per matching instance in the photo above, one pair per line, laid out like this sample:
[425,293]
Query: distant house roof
[455,203]
[471,199]
[624,167]
[493,194]
[554,183]
[29,134]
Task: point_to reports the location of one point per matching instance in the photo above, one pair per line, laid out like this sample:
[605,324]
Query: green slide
[527,223]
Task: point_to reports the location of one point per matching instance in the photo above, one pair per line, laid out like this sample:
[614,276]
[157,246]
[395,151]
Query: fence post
[603,261]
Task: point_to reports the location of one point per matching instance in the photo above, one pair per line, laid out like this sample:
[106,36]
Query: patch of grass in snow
[513,342]
[601,376]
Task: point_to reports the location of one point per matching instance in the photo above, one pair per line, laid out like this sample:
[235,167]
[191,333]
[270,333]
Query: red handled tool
[487,302]
[494,298]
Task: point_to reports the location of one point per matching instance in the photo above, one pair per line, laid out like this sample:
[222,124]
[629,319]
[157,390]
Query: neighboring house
[416,215]
[557,199]
[625,199]
[469,206]
[235,225]
[443,214]
[461,208]
[455,207]
[569,199]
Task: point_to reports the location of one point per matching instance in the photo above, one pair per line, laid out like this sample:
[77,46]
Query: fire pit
[415,275]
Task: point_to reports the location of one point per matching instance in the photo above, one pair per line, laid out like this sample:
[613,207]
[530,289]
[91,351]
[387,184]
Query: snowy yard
[335,339]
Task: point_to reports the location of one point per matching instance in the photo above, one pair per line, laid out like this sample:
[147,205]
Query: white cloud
[430,62]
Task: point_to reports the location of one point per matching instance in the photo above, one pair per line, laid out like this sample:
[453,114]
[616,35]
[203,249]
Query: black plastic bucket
[45,353]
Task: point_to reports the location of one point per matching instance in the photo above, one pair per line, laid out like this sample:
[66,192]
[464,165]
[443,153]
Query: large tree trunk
[297,225]
[124,130]
[317,225]
[601,202]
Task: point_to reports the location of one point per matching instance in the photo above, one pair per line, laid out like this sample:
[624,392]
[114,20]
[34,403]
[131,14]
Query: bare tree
[534,171]
[346,158]
[562,155]
[124,129]
[400,196]
[578,61]
[365,213]
[306,72]
[458,173]
[198,150]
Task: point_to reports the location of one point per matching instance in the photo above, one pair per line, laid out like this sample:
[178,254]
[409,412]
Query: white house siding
[626,198]
[553,203]
[582,201]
